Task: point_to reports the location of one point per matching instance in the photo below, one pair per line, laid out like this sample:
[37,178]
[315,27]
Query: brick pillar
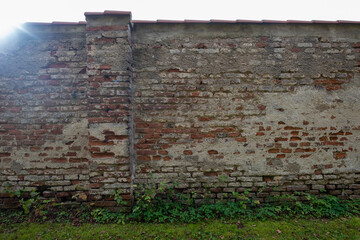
[109,70]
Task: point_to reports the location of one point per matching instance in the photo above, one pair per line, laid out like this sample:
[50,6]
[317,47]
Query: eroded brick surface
[89,109]
[259,105]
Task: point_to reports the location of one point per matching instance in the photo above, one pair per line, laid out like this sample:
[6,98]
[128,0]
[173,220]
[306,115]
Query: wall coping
[194,21]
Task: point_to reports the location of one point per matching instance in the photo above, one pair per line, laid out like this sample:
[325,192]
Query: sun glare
[7,29]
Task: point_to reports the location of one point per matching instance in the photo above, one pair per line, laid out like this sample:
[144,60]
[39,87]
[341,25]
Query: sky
[15,12]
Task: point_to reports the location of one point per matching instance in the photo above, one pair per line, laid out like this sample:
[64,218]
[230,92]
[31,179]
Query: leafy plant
[161,202]
[27,203]
[102,215]
[118,198]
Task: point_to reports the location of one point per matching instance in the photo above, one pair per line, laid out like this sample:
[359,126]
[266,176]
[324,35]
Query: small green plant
[118,198]
[27,203]
[163,202]
[102,215]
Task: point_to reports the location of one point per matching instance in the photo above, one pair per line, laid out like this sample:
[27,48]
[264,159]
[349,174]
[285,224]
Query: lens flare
[7,29]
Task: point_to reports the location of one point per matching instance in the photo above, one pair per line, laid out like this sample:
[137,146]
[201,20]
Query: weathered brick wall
[109,70]
[43,124]
[91,108]
[263,105]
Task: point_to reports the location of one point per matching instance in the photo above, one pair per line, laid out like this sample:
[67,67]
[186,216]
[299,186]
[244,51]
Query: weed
[118,198]
[162,203]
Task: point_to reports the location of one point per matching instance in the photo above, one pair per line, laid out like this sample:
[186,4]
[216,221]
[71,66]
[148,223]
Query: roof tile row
[200,21]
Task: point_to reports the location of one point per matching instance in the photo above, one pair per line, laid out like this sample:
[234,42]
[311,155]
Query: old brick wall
[93,107]
[109,70]
[263,105]
[43,126]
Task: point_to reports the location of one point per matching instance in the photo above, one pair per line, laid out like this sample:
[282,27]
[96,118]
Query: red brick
[105,204]
[241,139]
[261,44]
[56,160]
[62,194]
[267,179]
[58,65]
[292,128]
[188,152]
[333,87]
[102,155]
[327,166]
[5,154]
[44,77]
[211,174]
[273,150]
[304,144]
[163,152]
[339,155]
[333,143]
[285,150]
[144,158]
[204,119]
[93,29]
[212,152]
[261,107]
[280,139]
[114,28]
[78,160]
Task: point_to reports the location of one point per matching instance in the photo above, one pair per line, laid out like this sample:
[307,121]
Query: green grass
[344,228]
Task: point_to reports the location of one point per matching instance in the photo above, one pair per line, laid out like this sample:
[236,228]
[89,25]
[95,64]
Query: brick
[114,28]
[242,139]
[354,186]
[188,152]
[339,155]
[102,155]
[297,188]
[274,150]
[318,187]
[280,139]
[212,152]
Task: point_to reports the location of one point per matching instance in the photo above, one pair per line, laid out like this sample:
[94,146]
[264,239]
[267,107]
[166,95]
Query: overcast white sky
[13,12]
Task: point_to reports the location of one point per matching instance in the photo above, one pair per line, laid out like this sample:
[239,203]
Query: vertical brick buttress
[109,77]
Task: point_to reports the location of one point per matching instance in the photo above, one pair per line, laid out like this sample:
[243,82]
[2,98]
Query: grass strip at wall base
[343,228]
